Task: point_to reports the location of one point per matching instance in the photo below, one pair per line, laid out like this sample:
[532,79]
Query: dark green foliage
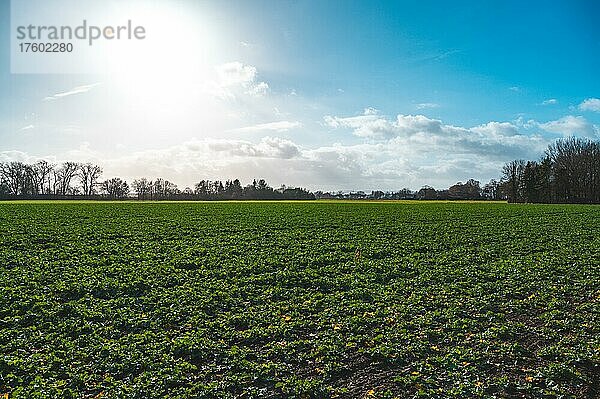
[220,300]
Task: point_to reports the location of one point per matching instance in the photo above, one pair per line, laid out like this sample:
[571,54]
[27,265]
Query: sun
[162,77]
[176,42]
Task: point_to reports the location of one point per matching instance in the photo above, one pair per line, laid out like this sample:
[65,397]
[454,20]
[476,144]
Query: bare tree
[512,177]
[15,175]
[44,170]
[115,188]
[568,173]
[163,189]
[39,175]
[63,177]
[89,174]
[143,188]
[576,169]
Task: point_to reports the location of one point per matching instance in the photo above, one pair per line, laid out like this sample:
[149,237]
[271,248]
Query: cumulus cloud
[417,149]
[369,124]
[550,101]
[590,104]
[496,130]
[259,89]
[571,125]
[268,147]
[405,151]
[425,154]
[502,137]
[280,161]
[235,78]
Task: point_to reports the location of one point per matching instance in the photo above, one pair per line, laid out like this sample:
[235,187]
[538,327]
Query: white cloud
[427,105]
[28,127]
[426,153]
[408,150]
[75,90]
[590,104]
[268,147]
[260,89]
[280,126]
[375,126]
[551,101]
[496,129]
[369,124]
[234,73]
[424,135]
[571,125]
[14,155]
[235,78]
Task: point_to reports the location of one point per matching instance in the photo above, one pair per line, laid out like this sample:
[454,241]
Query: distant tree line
[43,180]
[470,190]
[569,172]
[217,190]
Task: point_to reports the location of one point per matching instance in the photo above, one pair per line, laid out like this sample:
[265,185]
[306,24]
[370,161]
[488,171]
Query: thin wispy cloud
[427,105]
[551,101]
[438,56]
[28,127]
[446,54]
[73,91]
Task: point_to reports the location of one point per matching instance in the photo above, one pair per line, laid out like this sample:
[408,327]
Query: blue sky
[332,95]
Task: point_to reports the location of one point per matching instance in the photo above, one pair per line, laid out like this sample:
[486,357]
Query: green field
[259,299]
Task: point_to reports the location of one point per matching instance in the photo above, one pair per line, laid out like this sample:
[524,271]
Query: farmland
[272,299]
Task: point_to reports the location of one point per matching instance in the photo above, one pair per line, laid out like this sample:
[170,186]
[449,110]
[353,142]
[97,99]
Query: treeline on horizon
[72,180]
[569,172]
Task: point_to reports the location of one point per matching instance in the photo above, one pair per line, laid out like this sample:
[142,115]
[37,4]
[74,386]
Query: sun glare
[164,74]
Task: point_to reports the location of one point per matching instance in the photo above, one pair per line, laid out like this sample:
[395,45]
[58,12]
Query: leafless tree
[512,176]
[39,175]
[63,177]
[15,176]
[143,188]
[568,173]
[115,188]
[89,175]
